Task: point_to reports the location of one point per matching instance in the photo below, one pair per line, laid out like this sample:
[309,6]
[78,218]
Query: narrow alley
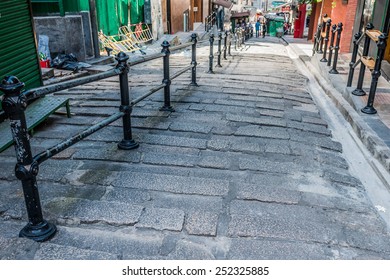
[246,167]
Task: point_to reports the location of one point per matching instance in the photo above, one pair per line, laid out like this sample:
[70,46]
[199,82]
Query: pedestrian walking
[257,27]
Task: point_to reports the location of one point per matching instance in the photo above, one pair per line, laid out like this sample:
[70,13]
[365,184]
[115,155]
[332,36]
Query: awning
[224,3]
[241,14]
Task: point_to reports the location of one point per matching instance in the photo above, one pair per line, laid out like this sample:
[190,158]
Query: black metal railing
[15,103]
[224,37]
[374,65]
[322,43]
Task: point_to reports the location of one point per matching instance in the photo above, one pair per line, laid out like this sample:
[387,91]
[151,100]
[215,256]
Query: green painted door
[18,55]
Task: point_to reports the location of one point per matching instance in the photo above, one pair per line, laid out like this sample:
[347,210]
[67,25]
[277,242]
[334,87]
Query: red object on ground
[45,63]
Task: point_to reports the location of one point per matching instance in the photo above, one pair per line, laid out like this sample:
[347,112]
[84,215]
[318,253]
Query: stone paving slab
[245,168]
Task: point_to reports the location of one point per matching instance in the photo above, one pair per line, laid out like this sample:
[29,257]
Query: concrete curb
[366,134]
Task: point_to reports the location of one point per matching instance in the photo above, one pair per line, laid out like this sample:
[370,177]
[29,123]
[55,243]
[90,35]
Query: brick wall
[345,13]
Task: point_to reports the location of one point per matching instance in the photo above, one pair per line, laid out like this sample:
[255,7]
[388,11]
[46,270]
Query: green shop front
[18,56]
[111,14]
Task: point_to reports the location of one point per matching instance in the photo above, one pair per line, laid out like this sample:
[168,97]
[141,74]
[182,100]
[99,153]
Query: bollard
[331,47]
[322,38]
[353,59]
[359,89]
[219,50]
[326,40]
[369,109]
[194,39]
[127,142]
[167,81]
[225,45]
[211,56]
[26,169]
[336,49]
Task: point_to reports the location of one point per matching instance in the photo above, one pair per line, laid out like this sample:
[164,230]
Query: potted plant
[43,60]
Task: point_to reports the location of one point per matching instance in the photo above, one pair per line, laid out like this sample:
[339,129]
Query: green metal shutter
[18,52]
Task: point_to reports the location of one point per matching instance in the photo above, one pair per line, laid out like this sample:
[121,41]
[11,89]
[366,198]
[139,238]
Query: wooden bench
[36,113]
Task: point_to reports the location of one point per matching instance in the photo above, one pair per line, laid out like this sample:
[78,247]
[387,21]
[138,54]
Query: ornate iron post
[127,142]
[326,39]
[337,48]
[317,40]
[353,59]
[225,45]
[26,169]
[167,81]
[211,56]
[359,89]
[322,31]
[230,43]
[219,50]
[194,39]
[369,109]
[331,47]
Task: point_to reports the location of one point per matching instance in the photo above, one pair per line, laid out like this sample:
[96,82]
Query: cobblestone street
[245,168]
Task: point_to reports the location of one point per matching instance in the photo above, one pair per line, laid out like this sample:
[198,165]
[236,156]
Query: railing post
[194,39]
[359,89]
[211,56]
[317,40]
[353,59]
[225,45]
[230,43]
[337,48]
[322,30]
[331,47]
[326,39]
[127,142]
[26,170]
[369,109]
[219,49]
[167,81]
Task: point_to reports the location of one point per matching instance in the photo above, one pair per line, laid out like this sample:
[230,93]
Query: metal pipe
[359,89]
[211,56]
[219,50]
[42,91]
[26,170]
[194,38]
[322,30]
[43,156]
[316,40]
[225,45]
[180,72]
[167,89]
[337,48]
[182,46]
[326,40]
[127,142]
[331,47]
[153,90]
[145,58]
[369,109]
[353,63]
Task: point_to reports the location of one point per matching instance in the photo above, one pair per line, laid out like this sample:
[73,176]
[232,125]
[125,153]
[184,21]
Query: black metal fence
[326,33]
[374,65]
[224,37]
[15,103]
